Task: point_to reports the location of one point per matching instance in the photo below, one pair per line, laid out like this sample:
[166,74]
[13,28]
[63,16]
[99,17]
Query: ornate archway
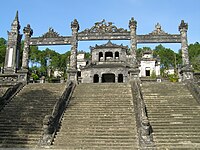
[100,31]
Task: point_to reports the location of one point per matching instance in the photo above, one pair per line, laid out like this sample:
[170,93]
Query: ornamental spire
[17,16]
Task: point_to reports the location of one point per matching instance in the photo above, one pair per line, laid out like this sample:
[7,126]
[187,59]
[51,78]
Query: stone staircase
[173,114]
[21,119]
[99,116]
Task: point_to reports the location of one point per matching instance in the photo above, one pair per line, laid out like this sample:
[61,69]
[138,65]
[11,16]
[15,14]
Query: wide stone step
[102,145]
[99,116]
[174,115]
[185,145]
[22,118]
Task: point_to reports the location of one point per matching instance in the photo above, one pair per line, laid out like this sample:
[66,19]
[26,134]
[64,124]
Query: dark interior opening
[109,77]
[116,54]
[108,55]
[100,56]
[96,78]
[147,73]
[120,78]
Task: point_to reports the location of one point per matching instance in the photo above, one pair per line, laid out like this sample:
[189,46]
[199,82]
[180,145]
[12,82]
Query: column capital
[28,31]
[75,25]
[132,23]
[183,26]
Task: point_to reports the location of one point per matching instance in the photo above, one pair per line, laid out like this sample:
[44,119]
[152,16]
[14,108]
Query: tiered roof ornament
[104,27]
[183,25]
[109,44]
[158,30]
[132,23]
[75,25]
[51,34]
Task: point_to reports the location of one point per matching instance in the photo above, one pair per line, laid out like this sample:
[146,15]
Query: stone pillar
[28,33]
[116,78]
[134,70]
[99,78]
[133,26]
[187,70]
[184,43]
[104,56]
[73,58]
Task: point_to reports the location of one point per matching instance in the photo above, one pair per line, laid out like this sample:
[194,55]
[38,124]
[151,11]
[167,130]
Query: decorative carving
[104,27]
[108,45]
[158,30]
[28,31]
[51,34]
[183,25]
[132,23]
[75,25]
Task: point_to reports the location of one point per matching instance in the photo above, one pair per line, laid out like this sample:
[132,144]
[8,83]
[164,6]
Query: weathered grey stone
[184,43]
[25,59]
[13,47]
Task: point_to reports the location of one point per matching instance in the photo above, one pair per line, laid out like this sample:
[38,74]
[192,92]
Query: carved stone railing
[52,122]
[194,88]
[10,93]
[143,126]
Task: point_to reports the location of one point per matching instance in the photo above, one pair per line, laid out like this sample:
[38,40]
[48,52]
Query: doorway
[96,78]
[120,78]
[108,77]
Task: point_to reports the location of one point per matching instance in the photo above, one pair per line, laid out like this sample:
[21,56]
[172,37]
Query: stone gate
[100,31]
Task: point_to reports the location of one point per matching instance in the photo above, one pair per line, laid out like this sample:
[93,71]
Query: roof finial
[17,16]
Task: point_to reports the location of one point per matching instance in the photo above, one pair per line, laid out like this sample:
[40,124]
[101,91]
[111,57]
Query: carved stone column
[73,58]
[134,70]
[133,26]
[184,43]
[28,33]
[187,70]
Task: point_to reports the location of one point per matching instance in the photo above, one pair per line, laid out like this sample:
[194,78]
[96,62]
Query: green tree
[194,55]
[166,55]
[2,51]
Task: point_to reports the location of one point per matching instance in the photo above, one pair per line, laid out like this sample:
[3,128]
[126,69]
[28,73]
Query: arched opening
[108,56]
[96,78]
[116,55]
[100,56]
[120,78]
[108,77]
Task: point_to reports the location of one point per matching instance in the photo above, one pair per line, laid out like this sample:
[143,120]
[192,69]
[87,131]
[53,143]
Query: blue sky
[42,14]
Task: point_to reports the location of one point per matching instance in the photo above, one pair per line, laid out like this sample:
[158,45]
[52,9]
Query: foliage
[167,56]
[194,55]
[2,51]
[173,78]
[34,76]
[153,75]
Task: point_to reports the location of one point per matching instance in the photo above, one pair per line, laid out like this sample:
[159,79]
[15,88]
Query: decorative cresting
[158,30]
[104,27]
[51,38]
[51,34]
[28,32]
[109,44]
